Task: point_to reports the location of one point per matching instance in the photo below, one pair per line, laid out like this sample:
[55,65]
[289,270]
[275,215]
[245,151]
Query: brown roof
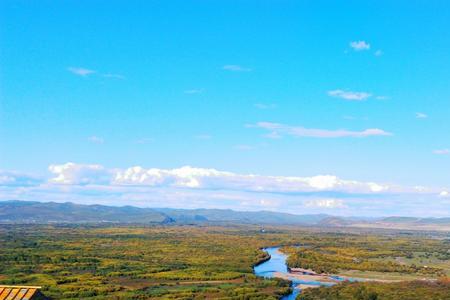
[12,292]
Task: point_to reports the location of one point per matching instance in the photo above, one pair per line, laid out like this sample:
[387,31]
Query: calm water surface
[277,263]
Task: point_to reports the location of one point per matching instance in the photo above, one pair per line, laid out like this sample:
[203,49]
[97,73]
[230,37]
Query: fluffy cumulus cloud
[79,174]
[212,179]
[277,130]
[190,187]
[185,177]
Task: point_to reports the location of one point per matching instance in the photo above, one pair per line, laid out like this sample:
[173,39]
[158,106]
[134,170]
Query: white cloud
[325,203]
[269,203]
[182,177]
[275,135]
[189,187]
[420,188]
[442,152]
[278,130]
[236,68]
[420,115]
[444,194]
[8,178]
[80,71]
[86,72]
[79,174]
[190,177]
[375,187]
[96,140]
[378,53]
[359,45]
[349,95]
[323,181]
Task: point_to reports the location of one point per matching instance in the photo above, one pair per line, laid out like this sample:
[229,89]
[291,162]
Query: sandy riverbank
[327,278]
[304,277]
[304,286]
[369,279]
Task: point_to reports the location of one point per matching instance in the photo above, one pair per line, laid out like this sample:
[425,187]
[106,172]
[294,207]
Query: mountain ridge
[17,211]
[35,212]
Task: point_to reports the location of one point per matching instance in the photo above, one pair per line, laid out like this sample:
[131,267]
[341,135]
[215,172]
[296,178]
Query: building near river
[19,292]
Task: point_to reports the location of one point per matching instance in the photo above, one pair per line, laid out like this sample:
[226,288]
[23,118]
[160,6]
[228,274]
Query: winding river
[276,266]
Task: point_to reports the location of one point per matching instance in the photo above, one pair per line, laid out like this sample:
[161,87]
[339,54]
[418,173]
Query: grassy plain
[406,290]
[176,262]
[372,254]
[190,262]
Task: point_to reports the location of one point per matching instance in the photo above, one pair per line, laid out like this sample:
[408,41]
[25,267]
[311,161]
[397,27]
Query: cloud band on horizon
[189,187]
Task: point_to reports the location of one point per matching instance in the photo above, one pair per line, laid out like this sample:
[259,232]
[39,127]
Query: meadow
[407,290]
[382,254]
[198,262]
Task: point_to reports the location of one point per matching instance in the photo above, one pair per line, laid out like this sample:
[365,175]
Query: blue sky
[358,90]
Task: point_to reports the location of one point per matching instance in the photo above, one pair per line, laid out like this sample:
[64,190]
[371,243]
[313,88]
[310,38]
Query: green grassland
[407,290]
[376,254]
[136,263]
[192,262]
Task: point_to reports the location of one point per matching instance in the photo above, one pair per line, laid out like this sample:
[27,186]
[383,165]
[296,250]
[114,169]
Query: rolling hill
[26,212]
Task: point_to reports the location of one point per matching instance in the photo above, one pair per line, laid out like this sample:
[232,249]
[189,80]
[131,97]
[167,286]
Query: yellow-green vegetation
[429,259]
[407,290]
[384,276]
[136,263]
[193,262]
[369,253]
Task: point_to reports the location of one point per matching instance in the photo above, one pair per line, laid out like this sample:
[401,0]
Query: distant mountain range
[15,211]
